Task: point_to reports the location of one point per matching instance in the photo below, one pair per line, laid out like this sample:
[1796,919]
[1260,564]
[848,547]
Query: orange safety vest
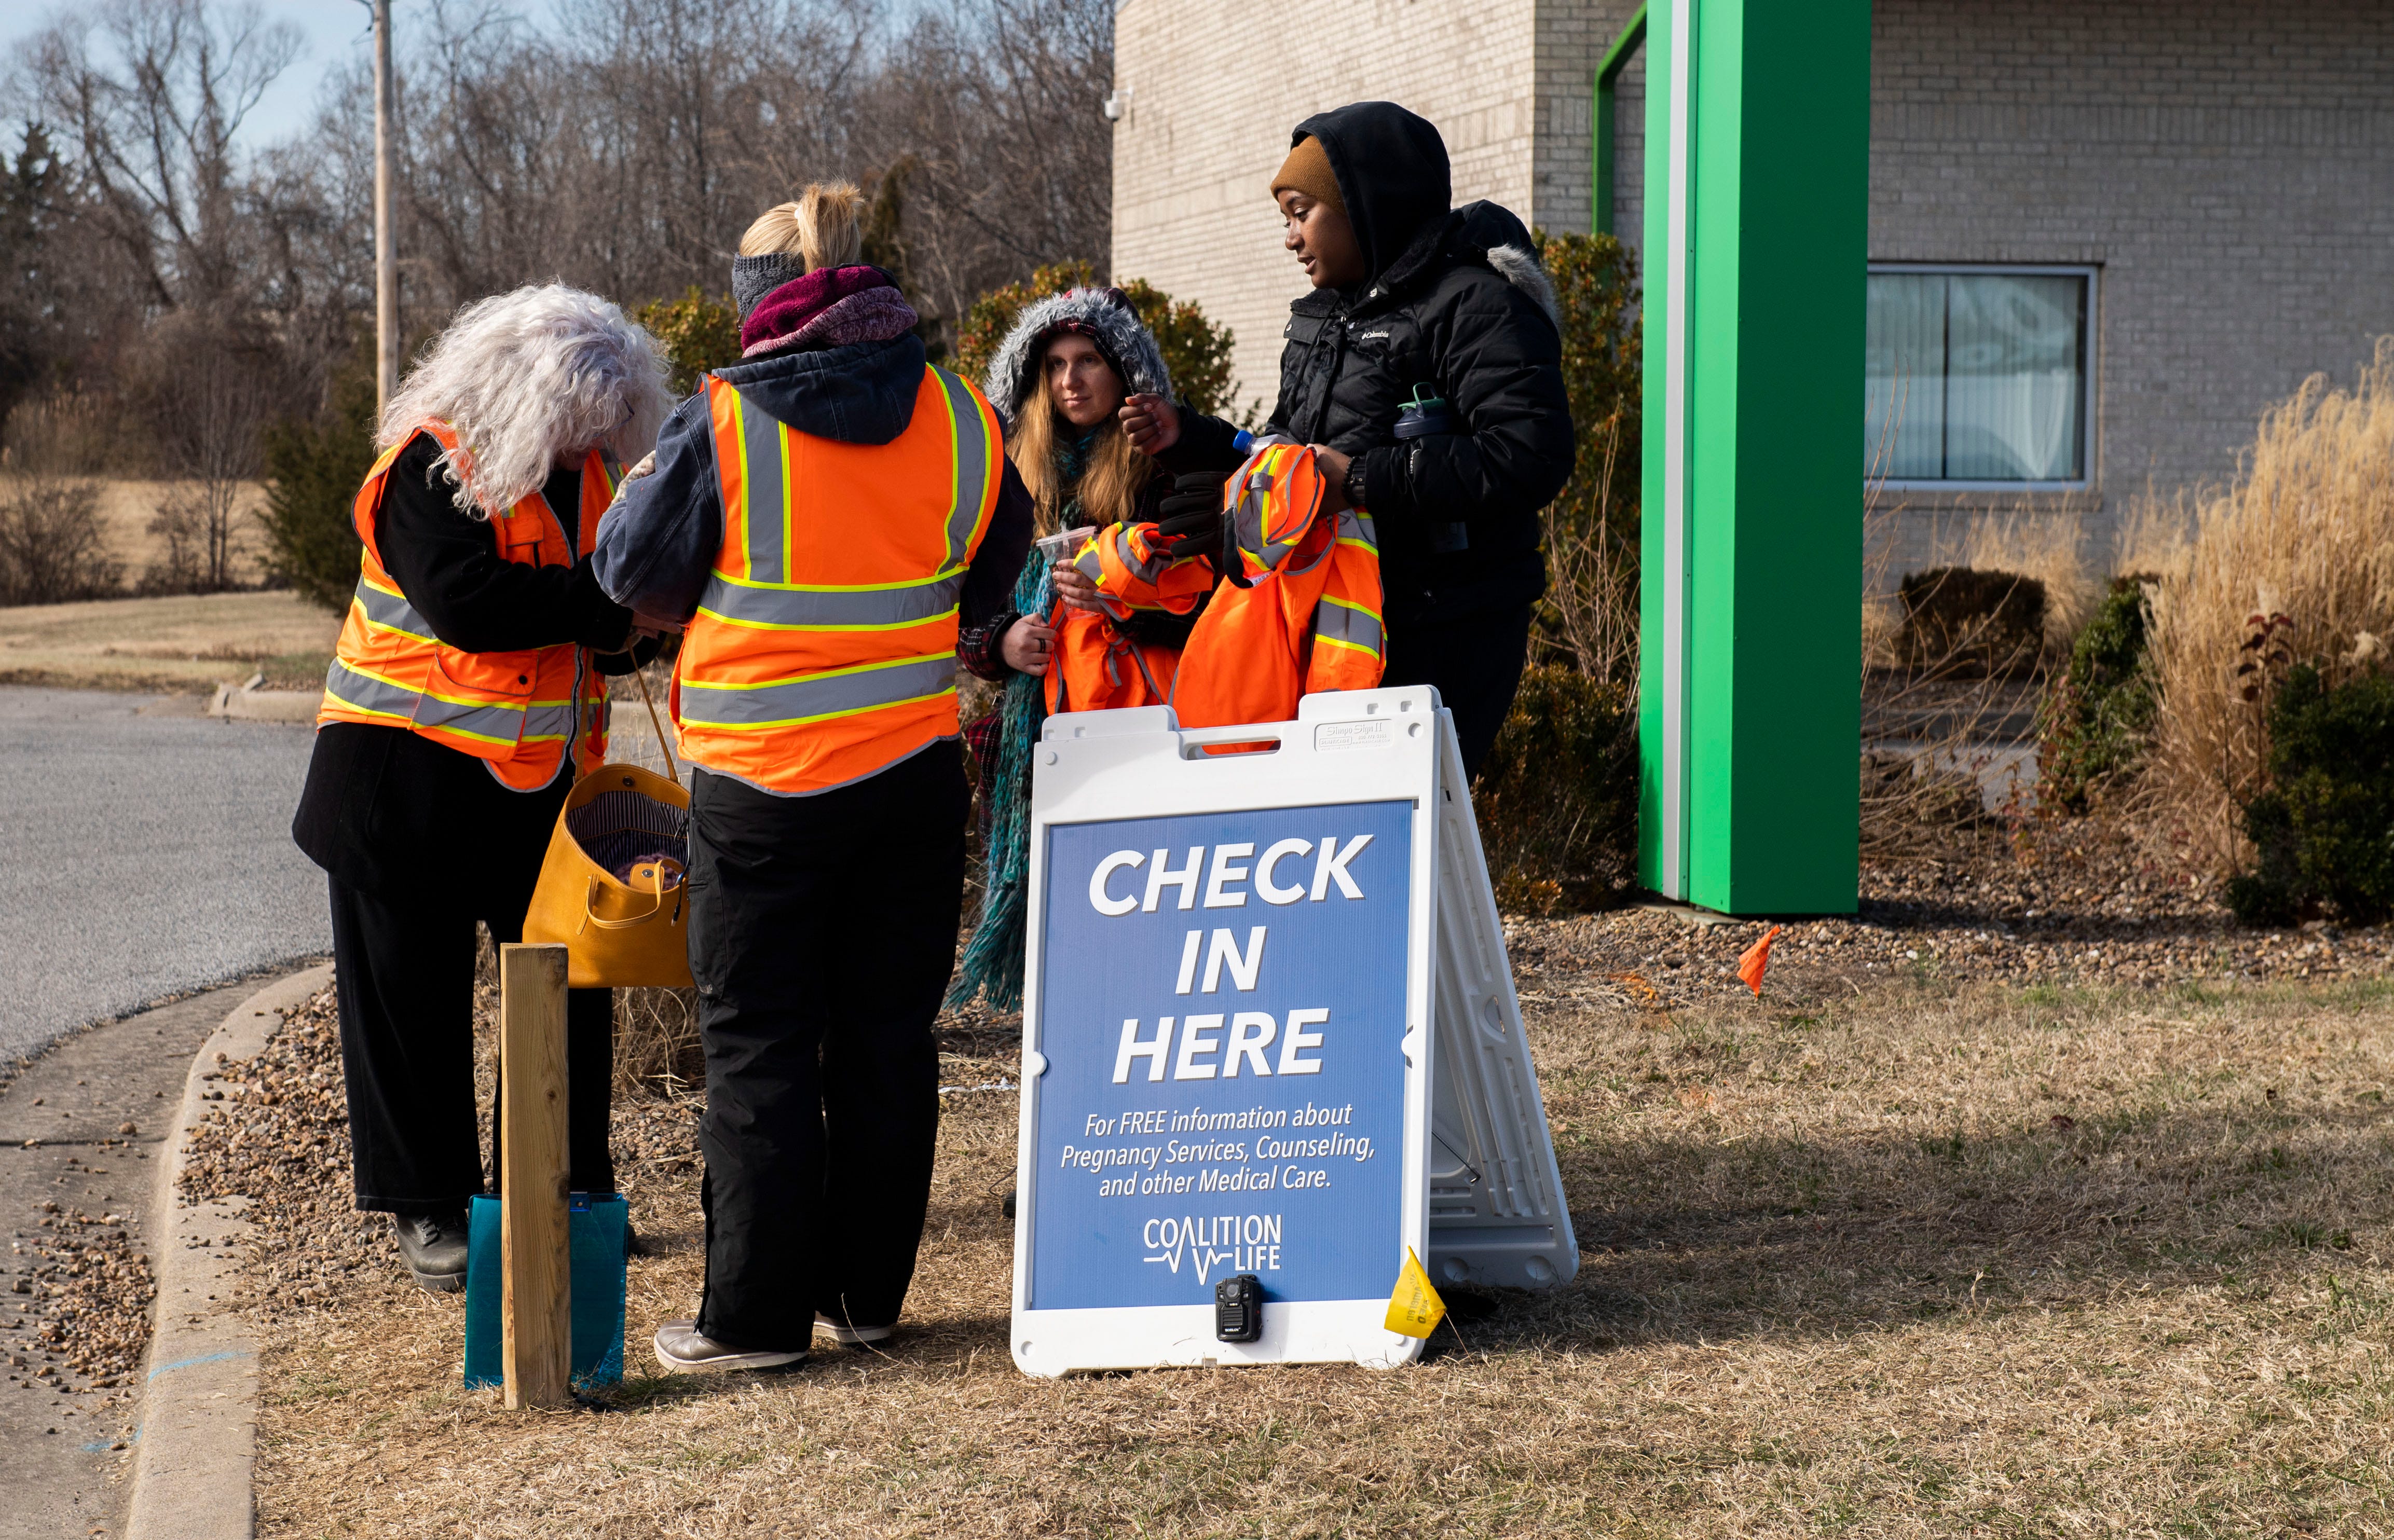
[1309,619]
[824,646]
[1099,668]
[516,711]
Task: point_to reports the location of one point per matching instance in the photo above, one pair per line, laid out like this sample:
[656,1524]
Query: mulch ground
[2079,902]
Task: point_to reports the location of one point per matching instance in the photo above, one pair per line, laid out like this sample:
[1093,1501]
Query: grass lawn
[186,642]
[1939,1258]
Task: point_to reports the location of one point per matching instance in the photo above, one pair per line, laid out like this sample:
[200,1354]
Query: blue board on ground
[596,1228]
[1229,1006]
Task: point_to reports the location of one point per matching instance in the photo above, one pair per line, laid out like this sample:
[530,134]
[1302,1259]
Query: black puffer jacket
[1456,302]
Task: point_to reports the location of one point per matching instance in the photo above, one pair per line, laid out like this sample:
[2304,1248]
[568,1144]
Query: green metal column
[1758,154]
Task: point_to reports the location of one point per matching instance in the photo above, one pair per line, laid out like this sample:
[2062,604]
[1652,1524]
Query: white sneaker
[846,1335]
[682,1351]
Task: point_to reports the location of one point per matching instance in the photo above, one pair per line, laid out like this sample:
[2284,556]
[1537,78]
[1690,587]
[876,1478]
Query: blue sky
[333,33]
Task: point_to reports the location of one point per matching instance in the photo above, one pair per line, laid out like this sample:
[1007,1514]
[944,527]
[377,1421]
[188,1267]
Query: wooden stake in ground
[536,1304]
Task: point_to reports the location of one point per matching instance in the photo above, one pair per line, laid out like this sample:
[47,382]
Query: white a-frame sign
[1268,1037]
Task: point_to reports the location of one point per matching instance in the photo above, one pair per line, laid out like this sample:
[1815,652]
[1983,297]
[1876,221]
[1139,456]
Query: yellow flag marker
[1415,1309]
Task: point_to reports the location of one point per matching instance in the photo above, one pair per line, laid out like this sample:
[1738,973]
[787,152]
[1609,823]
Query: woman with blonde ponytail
[821,518]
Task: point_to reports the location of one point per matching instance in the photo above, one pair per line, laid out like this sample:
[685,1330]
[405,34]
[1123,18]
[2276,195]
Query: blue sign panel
[1222,1010]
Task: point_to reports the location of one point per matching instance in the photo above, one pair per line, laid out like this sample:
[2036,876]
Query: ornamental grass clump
[2305,532]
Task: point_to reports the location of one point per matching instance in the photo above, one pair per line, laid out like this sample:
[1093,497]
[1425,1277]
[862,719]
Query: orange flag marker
[1756,962]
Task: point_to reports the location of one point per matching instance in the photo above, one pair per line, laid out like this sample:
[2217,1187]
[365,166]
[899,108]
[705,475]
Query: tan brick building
[2104,233]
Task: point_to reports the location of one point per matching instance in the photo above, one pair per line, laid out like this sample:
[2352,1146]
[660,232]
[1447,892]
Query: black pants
[1475,664]
[404,975]
[823,930]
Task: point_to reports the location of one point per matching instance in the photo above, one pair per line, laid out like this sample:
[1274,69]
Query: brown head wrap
[1307,170]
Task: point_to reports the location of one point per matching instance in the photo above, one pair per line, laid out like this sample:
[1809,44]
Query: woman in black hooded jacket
[1415,299]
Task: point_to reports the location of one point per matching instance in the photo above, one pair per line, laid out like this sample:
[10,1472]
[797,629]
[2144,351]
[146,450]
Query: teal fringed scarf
[993,959]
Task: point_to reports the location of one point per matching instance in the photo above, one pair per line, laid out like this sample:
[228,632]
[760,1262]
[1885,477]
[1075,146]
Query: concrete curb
[243,704]
[197,1443]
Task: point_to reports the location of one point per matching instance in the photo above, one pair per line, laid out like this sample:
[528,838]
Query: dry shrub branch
[2305,531]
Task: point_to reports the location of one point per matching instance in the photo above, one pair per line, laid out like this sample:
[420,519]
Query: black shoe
[433,1246]
[1007,1206]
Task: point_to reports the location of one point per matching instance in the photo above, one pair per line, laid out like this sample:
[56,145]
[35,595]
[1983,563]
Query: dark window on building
[1978,376]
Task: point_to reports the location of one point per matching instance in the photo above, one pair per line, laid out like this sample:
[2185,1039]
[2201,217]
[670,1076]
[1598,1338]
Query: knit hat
[755,277]
[1307,170]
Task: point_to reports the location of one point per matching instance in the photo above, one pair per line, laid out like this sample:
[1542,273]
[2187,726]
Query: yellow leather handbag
[614,886]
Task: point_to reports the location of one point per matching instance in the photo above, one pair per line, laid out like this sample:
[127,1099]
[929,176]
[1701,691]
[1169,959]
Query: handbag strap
[649,700]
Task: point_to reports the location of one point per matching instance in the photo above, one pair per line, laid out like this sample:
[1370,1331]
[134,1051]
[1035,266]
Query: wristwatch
[1353,486]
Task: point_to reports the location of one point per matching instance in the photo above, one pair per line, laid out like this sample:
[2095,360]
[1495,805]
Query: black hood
[862,393]
[1392,174]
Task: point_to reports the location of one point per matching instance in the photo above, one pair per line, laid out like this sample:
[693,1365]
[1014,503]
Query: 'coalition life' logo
[1223,1243]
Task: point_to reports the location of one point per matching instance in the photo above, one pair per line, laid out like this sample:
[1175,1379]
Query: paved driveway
[143,849]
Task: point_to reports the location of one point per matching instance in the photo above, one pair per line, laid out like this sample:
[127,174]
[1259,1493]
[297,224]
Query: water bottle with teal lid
[1424,415]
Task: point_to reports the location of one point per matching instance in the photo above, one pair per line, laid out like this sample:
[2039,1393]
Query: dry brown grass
[2305,530]
[126,508]
[180,642]
[1929,1262]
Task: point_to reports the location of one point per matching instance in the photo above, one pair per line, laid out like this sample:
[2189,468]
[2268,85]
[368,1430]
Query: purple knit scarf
[828,308]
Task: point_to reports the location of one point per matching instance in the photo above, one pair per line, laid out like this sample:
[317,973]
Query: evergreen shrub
[2096,718]
[2323,832]
[698,332]
[313,469]
[1557,797]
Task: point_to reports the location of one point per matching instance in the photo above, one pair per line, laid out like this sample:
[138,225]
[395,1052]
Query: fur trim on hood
[1013,371]
[1519,267]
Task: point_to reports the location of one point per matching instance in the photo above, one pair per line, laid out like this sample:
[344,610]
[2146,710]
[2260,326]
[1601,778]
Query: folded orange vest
[1301,615]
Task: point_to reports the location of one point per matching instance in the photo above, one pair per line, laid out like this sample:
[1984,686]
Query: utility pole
[386,238]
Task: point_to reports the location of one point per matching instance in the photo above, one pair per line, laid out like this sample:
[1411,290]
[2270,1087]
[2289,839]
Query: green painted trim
[1607,75]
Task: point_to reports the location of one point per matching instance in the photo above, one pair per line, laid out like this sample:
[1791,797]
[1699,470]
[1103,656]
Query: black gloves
[1194,524]
[636,656]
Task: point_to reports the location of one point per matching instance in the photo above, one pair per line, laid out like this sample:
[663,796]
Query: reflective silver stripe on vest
[391,612]
[764,472]
[364,692]
[825,608]
[1252,514]
[548,720]
[1356,524]
[814,697]
[492,724]
[1341,622]
[767,597]
[971,462]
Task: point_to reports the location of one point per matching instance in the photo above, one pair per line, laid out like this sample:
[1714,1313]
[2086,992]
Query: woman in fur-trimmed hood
[1444,310]
[1058,380]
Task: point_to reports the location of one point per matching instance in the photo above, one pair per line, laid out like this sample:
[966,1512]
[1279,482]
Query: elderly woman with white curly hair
[464,697]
